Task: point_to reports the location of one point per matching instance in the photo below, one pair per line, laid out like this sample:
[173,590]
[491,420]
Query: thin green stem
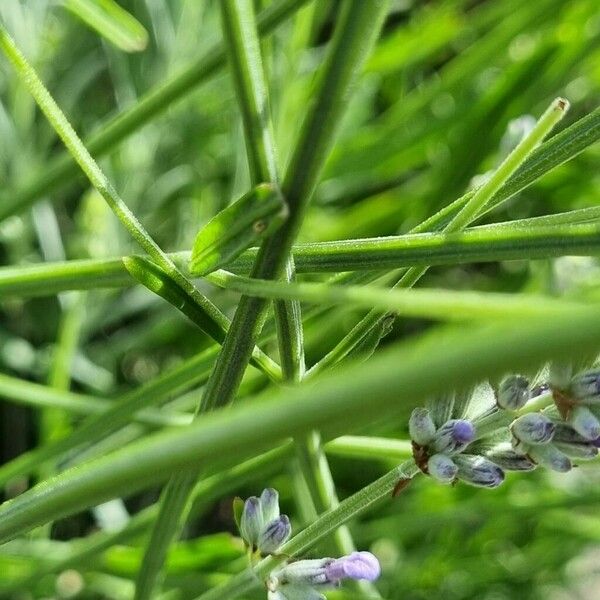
[350,508]
[41,396]
[519,240]
[482,196]
[432,304]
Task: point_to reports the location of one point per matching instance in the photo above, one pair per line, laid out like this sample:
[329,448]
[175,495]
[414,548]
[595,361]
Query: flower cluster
[553,433]
[439,451]
[264,530]
[261,525]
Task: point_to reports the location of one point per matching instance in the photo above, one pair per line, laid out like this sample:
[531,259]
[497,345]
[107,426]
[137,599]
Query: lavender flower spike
[454,436]
[358,565]
[533,428]
[274,534]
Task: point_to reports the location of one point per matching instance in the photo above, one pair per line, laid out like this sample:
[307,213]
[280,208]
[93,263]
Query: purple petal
[358,565]
[463,431]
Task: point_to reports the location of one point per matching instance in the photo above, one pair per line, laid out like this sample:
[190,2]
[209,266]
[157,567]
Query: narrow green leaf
[431,304]
[252,218]
[111,21]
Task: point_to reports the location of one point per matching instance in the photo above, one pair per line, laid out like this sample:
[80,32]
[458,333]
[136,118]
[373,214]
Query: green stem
[519,240]
[432,304]
[482,196]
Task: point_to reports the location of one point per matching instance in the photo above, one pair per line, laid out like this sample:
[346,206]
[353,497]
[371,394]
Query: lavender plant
[284,348]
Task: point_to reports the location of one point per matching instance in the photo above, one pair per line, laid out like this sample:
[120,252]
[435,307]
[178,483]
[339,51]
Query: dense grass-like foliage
[204,207]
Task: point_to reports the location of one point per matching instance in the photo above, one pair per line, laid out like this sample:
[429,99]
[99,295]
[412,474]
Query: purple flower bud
[550,457]
[583,421]
[582,451]
[509,460]
[269,503]
[533,428]
[442,468]
[478,471]
[358,565]
[564,433]
[454,436]
[513,392]
[251,522]
[585,386]
[421,426]
[274,534]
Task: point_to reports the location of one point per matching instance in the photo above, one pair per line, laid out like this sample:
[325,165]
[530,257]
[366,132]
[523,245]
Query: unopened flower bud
[454,436]
[551,457]
[358,565]
[564,433]
[513,392]
[309,572]
[251,522]
[533,428]
[421,426]
[585,386]
[441,467]
[269,504]
[274,534]
[323,571]
[509,460]
[582,451]
[478,471]
[583,421]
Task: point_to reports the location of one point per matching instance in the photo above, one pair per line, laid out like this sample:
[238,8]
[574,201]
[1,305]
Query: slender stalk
[531,239]
[41,396]
[482,196]
[431,304]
